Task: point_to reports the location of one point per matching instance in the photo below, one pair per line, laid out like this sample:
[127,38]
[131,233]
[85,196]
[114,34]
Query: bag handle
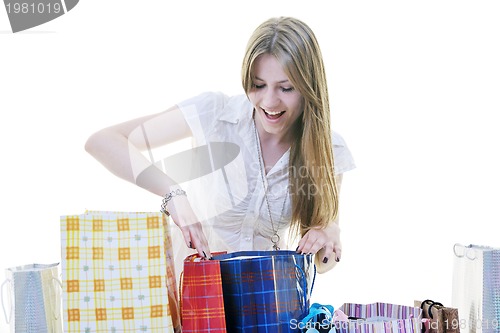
[304,285]
[470,251]
[181,282]
[464,251]
[255,254]
[9,318]
[422,304]
[57,304]
[430,309]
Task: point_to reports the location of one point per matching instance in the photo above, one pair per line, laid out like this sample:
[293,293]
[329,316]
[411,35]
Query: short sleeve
[343,159]
[201,112]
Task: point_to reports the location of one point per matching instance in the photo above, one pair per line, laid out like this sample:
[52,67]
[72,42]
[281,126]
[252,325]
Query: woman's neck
[272,139]
[272,146]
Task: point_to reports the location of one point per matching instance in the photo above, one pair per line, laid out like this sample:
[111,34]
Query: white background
[414,89]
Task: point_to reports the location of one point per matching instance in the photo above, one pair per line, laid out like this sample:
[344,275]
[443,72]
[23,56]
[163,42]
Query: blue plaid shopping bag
[266,291]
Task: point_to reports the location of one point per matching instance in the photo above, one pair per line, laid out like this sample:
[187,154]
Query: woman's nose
[270,100]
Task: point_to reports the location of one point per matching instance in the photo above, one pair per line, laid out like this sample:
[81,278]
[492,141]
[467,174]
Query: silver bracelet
[169,197]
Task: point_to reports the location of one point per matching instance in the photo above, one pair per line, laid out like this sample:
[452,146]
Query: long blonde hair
[311,166]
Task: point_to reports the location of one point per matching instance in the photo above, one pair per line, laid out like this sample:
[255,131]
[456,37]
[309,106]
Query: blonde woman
[264,165]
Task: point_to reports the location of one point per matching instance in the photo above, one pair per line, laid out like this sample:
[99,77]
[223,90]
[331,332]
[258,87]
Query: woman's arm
[120,149]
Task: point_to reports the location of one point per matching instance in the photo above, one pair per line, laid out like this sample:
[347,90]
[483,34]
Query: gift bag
[202,300]
[476,287]
[265,291]
[379,317]
[31,298]
[438,318]
[117,272]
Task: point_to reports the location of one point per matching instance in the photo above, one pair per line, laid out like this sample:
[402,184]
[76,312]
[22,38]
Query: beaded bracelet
[169,197]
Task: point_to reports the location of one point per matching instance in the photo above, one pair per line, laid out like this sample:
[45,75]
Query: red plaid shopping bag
[202,300]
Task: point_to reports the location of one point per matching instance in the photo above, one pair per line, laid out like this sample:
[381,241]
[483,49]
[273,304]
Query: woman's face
[276,101]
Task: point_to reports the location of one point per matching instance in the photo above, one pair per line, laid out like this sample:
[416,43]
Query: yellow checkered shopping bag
[118,273]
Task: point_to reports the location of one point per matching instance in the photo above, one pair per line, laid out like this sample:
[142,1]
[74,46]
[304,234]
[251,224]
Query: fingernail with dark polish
[204,254]
[337,259]
[297,249]
[190,245]
[325,260]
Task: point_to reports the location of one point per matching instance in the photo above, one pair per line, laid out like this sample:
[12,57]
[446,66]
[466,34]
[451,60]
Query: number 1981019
[31,8]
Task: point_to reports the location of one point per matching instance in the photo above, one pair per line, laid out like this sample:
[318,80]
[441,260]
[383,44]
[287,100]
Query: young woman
[265,164]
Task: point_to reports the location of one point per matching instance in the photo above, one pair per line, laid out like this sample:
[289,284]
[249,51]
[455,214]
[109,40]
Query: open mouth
[273,115]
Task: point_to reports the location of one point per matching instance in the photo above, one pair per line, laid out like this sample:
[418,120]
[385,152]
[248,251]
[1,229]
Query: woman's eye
[259,86]
[287,89]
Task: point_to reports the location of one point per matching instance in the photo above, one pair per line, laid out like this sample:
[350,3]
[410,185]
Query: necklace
[275,238]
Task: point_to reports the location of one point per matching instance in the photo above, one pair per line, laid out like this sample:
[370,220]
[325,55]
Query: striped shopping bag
[118,273]
[266,291]
[202,301]
[379,317]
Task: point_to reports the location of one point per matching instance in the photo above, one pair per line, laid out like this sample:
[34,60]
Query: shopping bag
[438,318]
[31,298]
[379,317]
[476,287]
[117,273]
[266,291]
[202,299]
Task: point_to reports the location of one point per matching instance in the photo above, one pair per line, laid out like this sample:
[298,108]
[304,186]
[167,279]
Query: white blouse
[230,199]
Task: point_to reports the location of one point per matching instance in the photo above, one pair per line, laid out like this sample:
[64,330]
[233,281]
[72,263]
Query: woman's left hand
[325,242]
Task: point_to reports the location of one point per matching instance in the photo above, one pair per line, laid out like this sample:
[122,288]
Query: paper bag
[34,294]
[118,275]
[202,300]
[266,291]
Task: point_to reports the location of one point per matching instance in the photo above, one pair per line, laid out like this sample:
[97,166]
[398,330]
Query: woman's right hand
[184,217]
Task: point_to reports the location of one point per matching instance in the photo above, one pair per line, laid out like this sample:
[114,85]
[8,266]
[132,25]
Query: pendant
[275,240]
